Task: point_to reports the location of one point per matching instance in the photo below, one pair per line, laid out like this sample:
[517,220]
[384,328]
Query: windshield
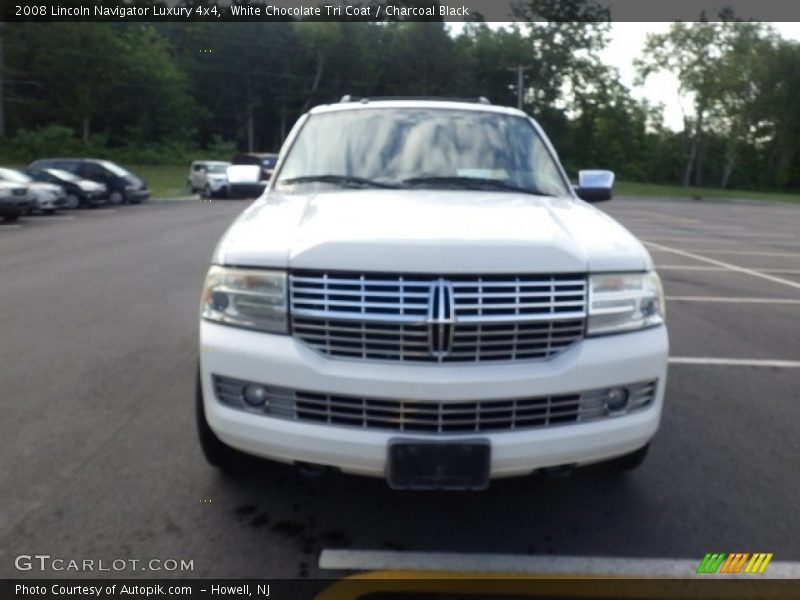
[217,168]
[422,147]
[65,175]
[115,169]
[15,176]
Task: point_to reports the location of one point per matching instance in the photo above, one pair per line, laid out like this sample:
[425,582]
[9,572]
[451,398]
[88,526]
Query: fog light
[617,399]
[219,301]
[254,394]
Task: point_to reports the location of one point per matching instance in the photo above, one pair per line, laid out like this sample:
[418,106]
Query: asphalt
[99,458]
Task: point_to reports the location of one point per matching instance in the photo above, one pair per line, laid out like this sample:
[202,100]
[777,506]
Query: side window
[93,171]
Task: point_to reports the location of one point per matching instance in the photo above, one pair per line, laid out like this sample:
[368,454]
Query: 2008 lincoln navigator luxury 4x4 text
[421,294]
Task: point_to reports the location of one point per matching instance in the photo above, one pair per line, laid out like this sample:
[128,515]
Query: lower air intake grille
[433,417]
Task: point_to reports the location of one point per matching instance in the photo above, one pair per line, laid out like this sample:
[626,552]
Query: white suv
[420,294]
[208,177]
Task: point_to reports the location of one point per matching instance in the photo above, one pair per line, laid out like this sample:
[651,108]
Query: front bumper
[246,190]
[136,195]
[49,202]
[217,186]
[13,206]
[283,361]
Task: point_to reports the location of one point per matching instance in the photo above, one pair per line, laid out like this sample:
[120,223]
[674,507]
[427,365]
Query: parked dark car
[250,182]
[123,186]
[14,200]
[79,192]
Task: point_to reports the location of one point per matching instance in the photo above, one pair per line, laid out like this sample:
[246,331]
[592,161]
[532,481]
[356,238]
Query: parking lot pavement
[97,358]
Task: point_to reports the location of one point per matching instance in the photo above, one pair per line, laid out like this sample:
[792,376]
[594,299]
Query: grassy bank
[624,188]
[165,181]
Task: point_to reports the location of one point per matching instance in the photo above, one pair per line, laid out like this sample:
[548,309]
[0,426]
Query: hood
[42,186]
[133,180]
[7,188]
[429,231]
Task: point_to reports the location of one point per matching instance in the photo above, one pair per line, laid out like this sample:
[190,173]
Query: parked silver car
[13,200]
[44,197]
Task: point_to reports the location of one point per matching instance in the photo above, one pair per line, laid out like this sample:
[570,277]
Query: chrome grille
[438,319]
[434,417]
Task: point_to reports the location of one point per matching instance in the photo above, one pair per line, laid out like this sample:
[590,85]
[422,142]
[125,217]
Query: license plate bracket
[437,465]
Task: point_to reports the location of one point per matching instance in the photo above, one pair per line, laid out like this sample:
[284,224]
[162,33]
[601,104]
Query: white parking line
[475,563]
[689,268]
[746,252]
[733,300]
[719,263]
[766,239]
[733,362]
[721,269]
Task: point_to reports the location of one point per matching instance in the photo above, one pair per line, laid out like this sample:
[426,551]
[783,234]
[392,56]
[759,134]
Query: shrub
[25,146]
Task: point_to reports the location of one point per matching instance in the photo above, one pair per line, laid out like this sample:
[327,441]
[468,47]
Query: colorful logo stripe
[734,562]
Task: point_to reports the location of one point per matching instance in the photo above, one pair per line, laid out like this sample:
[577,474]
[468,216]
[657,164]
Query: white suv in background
[420,294]
[208,177]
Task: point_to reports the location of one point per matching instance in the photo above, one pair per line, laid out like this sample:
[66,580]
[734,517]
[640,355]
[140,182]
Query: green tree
[692,52]
[565,38]
[97,78]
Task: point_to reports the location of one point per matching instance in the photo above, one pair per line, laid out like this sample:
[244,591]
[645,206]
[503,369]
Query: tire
[11,218]
[216,453]
[72,201]
[628,462]
[49,211]
[116,198]
[207,193]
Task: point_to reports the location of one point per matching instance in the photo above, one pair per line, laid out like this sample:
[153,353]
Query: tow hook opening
[312,470]
[559,471]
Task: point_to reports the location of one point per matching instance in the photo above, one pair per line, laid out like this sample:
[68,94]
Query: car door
[198,176]
[95,173]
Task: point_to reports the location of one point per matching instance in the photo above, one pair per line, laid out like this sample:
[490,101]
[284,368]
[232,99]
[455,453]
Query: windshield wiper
[480,183]
[346,180]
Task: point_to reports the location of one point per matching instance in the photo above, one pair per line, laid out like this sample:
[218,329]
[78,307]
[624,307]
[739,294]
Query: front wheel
[217,453]
[116,198]
[10,218]
[72,201]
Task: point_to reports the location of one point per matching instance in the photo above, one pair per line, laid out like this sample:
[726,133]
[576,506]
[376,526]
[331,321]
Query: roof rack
[349,98]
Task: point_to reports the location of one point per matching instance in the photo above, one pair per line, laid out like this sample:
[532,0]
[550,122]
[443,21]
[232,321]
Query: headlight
[248,298]
[625,302]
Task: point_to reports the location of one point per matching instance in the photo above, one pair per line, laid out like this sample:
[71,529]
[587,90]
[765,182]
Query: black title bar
[397,10]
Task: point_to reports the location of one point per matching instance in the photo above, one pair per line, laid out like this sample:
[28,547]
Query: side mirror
[594,185]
